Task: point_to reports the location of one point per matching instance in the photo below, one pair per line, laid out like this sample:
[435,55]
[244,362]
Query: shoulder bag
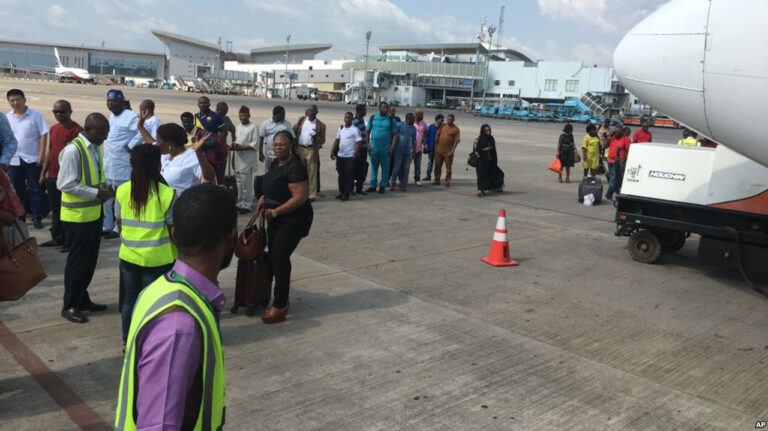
[20,268]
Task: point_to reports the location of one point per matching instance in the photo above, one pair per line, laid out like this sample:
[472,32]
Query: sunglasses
[59,112]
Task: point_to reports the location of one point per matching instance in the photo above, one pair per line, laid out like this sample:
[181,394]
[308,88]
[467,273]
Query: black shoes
[94,307]
[74,315]
[38,223]
[382,190]
[360,192]
[243,210]
[371,189]
[112,235]
[50,243]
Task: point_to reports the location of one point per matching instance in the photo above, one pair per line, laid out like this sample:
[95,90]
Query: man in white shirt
[148,121]
[123,136]
[346,149]
[31,134]
[246,149]
[311,133]
[267,132]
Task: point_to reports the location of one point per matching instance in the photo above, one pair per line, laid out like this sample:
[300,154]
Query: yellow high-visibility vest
[173,290]
[689,142]
[76,209]
[145,238]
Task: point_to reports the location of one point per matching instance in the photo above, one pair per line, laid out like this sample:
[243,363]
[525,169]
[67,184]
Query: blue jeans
[612,181]
[431,162]
[401,169]
[25,178]
[135,278]
[417,166]
[109,207]
[379,158]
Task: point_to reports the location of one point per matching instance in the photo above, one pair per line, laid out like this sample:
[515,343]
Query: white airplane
[69,72]
[703,63]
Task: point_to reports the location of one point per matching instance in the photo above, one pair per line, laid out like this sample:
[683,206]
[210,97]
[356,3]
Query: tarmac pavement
[396,324]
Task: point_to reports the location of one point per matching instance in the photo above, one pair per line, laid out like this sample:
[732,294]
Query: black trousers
[283,240]
[345,166]
[54,199]
[81,262]
[361,169]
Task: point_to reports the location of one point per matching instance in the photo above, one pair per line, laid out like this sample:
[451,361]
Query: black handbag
[473,159]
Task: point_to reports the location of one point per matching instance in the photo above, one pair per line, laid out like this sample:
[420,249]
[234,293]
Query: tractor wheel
[644,246]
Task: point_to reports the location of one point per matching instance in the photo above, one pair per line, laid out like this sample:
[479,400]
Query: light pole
[491,31]
[285,77]
[365,69]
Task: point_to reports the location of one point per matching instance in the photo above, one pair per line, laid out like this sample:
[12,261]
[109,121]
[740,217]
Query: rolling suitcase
[230,181]
[253,287]
[591,185]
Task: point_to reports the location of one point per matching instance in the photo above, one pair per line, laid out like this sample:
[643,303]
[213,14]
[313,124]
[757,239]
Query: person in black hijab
[489,176]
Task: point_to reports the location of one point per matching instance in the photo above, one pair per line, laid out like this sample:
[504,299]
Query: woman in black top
[285,204]
[489,176]
[565,149]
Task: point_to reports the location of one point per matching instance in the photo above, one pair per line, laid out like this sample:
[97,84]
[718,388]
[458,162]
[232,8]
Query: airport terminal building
[36,56]
[406,74]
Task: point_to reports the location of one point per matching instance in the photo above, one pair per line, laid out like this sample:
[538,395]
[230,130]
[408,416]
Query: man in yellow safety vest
[689,139]
[173,352]
[82,185]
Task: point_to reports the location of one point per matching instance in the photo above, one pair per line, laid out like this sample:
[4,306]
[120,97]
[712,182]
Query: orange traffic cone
[499,254]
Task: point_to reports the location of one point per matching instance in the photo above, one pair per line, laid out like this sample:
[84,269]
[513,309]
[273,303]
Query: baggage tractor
[253,287]
[591,185]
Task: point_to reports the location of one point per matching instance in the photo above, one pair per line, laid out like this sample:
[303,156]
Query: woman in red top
[618,148]
[60,135]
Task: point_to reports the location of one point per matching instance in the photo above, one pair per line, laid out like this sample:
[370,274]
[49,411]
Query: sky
[585,30]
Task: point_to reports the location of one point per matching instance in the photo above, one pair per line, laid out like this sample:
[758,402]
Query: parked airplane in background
[69,72]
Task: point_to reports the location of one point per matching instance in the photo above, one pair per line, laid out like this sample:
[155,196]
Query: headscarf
[483,139]
[8,199]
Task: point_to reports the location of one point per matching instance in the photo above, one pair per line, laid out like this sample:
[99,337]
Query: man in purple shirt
[169,349]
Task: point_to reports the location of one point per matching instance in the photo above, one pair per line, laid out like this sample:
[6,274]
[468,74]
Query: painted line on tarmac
[78,411]
[534,207]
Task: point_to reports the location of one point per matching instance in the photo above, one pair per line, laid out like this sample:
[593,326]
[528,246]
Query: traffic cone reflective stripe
[499,254]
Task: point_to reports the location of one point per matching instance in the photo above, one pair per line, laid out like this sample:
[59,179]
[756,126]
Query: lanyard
[181,279]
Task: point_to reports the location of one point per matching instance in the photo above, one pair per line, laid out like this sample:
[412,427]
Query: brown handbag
[252,239]
[20,268]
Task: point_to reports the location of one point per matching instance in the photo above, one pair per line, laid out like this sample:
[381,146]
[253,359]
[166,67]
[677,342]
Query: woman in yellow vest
[143,209]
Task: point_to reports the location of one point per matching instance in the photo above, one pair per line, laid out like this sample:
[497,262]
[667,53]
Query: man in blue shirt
[123,136]
[215,148]
[25,171]
[404,151]
[429,143]
[382,138]
[207,119]
[8,143]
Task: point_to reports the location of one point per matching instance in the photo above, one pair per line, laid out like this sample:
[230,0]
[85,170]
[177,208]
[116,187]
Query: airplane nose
[661,61]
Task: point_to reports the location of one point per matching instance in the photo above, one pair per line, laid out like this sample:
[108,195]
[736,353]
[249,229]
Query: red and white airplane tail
[56,54]
[69,72]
